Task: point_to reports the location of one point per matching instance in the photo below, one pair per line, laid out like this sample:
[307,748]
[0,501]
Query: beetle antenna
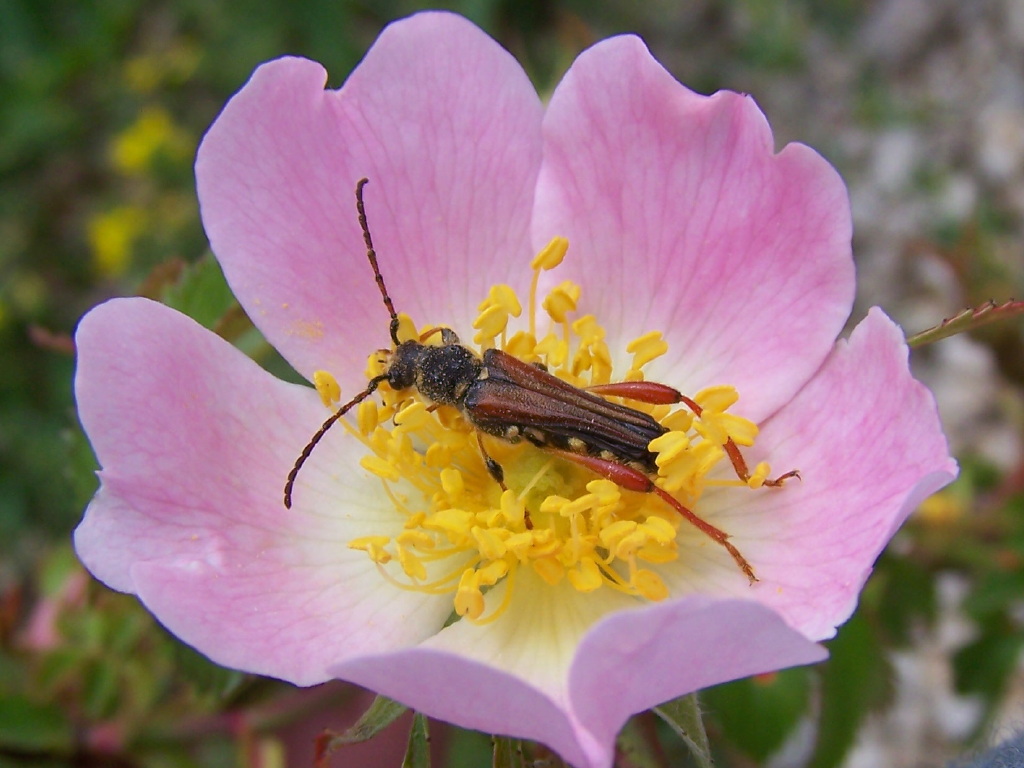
[290,482]
[372,256]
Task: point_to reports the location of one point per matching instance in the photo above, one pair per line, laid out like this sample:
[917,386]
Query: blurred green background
[919,103]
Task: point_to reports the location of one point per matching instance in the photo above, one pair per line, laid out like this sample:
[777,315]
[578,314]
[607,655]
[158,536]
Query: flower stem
[684,717]
[968,320]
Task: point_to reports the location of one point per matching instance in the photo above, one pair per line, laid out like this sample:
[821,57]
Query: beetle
[506,398]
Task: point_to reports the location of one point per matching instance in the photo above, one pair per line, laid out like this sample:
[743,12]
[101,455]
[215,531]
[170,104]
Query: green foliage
[684,716]
[856,680]
[201,292]
[417,753]
[468,749]
[382,713]
[906,598]
[758,714]
[93,662]
[985,666]
[28,726]
[505,753]
[636,746]
[207,680]
[774,34]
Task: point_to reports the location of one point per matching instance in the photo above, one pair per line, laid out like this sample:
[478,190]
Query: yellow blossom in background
[143,73]
[25,292]
[148,71]
[112,236]
[153,133]
[942,509]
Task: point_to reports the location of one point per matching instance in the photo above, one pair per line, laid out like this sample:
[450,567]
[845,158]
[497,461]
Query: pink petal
[681,219]
[628,662]
[633,661]
[472,695]
[867,440]
[444,123]
[538,635]
[195,441]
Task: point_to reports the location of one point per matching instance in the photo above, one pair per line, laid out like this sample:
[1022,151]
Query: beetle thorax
[445,373]
[441,374]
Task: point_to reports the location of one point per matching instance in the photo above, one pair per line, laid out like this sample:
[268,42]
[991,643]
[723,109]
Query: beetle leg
[492,466]
[642,391]
[497,472]
[739,464]
[634,480]
[661,394]
[448,336]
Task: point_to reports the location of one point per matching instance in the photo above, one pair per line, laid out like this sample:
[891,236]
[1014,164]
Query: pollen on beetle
[465,534]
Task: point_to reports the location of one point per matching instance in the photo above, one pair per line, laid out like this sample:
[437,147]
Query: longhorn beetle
[511,400]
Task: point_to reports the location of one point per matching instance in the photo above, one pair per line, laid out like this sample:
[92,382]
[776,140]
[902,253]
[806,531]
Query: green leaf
[635,746]
[968,320]
[907,598]
[468,749]
[382,713]
[417,753]
[59,567]
[100,689]
[757,714]
[201,292]
[994,594]
[205,676]
[985,666]
[31,727]
[505,753]
[856,679]
[684,717]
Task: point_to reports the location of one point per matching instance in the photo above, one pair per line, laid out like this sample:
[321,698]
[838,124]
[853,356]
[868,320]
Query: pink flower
[680,218]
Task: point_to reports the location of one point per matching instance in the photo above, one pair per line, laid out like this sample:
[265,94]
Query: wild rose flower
[697,256]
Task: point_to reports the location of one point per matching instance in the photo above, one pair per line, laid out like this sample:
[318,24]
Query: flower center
[464,532]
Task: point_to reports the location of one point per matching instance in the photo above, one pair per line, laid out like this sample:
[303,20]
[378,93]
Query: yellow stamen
[373,546]
[406,328]
[551,255]
[561,301]
[501,304]
[646,348]
[650,585]
[586,577]
[327,387]
[505,601]
[549,258]
[502,296]
[555,517]
[759,475]
[380,467]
